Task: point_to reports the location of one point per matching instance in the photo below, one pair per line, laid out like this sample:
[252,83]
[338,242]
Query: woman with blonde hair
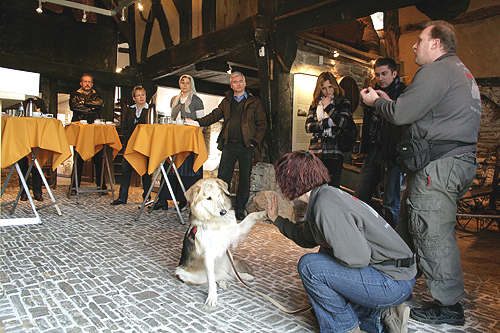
[328,113]
[185,105]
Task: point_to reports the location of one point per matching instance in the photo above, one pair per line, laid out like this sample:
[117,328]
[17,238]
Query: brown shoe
[396,319]
[38,197]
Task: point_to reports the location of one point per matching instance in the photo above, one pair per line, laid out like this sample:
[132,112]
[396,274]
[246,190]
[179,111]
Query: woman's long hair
[326,76]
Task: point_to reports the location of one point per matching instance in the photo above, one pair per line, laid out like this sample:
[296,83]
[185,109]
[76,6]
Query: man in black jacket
[245,125]
[378,141]
[86,104]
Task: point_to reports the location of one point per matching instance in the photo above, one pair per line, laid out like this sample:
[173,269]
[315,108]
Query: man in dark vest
[244,128]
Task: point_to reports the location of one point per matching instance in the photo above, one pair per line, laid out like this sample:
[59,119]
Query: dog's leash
[279,306]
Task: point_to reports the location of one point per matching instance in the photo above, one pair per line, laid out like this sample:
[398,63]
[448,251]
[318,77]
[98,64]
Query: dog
[212,231]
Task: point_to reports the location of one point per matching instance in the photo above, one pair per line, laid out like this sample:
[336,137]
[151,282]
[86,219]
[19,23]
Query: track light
[230,70]
[84,18]
[123,19]
[39,10]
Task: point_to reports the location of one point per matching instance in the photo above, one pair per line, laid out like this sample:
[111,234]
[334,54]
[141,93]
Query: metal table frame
[24,179]
[164,181]
[89,189]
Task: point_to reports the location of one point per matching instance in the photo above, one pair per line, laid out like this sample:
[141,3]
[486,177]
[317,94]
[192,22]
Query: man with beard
[378,141]
[86,104]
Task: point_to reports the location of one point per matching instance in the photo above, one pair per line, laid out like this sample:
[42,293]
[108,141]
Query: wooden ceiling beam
[62,71]
[207,46]
[304,15]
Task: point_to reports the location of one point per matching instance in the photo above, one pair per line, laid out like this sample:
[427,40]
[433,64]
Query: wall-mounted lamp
[39,10]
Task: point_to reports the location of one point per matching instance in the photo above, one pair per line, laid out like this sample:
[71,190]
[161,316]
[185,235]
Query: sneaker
[436,314]
[117,202]
[396,319]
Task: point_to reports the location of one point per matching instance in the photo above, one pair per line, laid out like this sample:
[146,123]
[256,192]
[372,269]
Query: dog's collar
[192,231]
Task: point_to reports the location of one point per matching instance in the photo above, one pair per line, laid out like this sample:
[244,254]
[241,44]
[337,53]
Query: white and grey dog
[213,230]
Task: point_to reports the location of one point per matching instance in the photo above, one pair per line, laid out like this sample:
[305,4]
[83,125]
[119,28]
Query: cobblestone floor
[96,269]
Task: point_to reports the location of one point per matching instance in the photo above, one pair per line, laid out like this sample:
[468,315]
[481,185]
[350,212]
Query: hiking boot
[396,319]
[436,314]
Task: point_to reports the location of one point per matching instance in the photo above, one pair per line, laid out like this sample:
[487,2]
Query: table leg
[177,174]
[4,186]
[153,181]
[105,159]
[172,192]
[47,187]
[26,188]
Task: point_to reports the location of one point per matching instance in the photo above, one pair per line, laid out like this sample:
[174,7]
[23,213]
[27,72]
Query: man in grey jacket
[442,105]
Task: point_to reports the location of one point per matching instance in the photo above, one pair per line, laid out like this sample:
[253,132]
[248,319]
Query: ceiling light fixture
[230,70]
[123,19]
[140,6]
[89,9]
[39,10]
[84,18]
[336,54]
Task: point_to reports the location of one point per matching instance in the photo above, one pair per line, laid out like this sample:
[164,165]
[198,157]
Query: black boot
[437,314]
[161,204]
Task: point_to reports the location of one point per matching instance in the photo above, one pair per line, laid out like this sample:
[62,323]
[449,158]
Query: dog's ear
[222,185]
[192,192]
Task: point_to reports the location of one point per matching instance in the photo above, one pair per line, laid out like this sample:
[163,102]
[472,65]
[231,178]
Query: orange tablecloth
[161,141]
[21,134]
[88,139]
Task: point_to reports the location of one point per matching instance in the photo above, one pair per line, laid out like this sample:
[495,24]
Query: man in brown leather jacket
[86,104]
[245,125]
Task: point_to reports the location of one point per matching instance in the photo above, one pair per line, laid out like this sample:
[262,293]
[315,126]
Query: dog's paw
[211,300]
[258,216]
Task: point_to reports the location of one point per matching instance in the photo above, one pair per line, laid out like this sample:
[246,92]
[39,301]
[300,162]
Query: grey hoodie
[442,103]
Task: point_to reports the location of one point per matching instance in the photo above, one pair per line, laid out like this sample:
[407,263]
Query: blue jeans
[125,182]
[372,173]
[343,297]
[232,152]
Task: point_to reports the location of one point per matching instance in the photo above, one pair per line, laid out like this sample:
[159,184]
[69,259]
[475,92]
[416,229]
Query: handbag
[347,137]
[413,154]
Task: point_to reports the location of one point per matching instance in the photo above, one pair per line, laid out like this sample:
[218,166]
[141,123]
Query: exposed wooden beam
[57,70]
[204,47]
[185,10]
[148,31]
[208,14]
[304,15]
[163,23]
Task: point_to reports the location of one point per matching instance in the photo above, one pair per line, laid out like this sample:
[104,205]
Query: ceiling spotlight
[39,10]
[336,54]
[140,6]
[119,69]
[230,70]
[123,19]
[84,18]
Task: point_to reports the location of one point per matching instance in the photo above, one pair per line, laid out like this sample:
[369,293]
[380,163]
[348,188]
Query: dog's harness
[192,231]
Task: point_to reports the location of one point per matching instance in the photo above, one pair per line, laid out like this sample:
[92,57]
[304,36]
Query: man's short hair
[391,63]
[138,88]
[299,172]
[235,74]
[86,74]
[446,34]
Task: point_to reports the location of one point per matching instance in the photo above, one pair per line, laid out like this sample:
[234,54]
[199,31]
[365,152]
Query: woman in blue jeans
[364,271]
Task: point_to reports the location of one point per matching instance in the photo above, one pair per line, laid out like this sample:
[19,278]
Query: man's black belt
[408,262]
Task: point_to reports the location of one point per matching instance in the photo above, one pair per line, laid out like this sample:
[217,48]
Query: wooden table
[88,139]
[39,139]
[160,143]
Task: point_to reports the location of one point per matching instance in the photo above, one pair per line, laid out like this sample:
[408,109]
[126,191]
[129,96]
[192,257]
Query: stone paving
[96,269]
